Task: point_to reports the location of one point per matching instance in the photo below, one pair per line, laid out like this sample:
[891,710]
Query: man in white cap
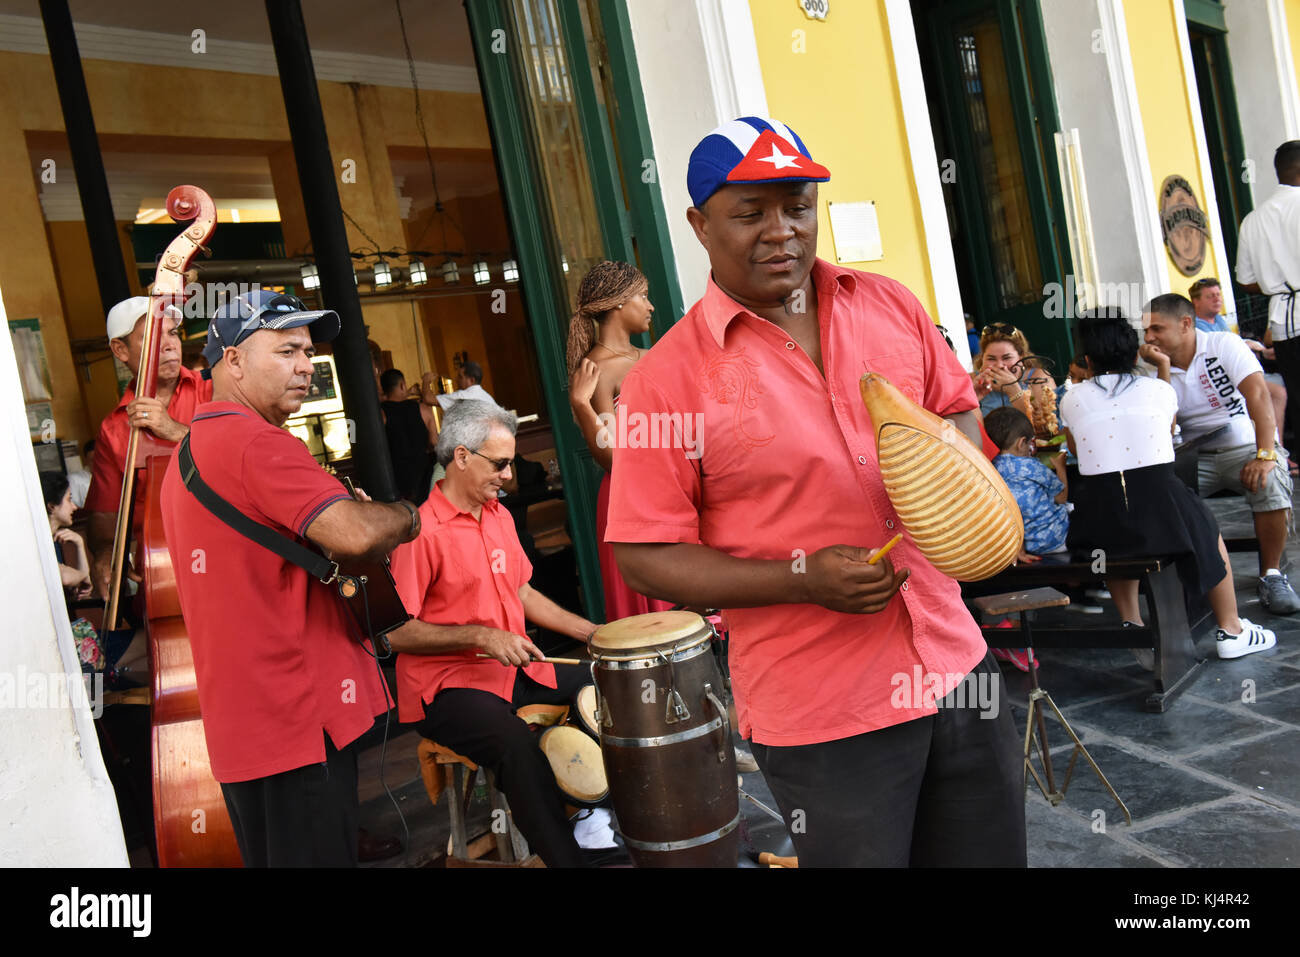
[163,420]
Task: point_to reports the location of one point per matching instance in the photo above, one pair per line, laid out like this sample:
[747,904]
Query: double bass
[191,825]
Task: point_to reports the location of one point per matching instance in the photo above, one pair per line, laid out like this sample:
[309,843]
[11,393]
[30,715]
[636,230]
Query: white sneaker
[592,829]
[1253,638]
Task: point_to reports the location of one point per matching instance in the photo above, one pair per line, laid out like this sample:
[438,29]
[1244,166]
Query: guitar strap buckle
[333,574]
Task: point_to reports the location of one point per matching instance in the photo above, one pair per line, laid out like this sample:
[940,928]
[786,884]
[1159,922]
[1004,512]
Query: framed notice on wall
[29,350]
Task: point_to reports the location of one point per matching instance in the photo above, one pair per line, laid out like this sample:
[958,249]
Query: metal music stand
[1025,603]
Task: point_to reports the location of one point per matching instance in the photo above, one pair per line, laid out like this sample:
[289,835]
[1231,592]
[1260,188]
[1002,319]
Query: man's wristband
[415,516]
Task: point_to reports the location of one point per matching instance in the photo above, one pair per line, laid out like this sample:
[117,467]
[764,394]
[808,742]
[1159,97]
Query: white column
[925,173]
[1133,145]
[57,808]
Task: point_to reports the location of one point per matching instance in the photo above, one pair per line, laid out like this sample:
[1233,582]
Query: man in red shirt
[849,677]
[285,686]
[163,421]
[466,579]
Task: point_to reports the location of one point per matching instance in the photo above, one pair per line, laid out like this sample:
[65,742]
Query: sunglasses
[999,327]
[1203,284]
[498,465]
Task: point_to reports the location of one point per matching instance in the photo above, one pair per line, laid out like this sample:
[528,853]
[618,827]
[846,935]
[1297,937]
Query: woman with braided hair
[613,305]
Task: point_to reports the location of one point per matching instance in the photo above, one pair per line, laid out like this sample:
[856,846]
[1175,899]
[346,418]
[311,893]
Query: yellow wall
[1293,28]
[1167,116]
[841,97]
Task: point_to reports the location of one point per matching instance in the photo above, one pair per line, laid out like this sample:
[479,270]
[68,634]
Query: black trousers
[484,728]
[307,817]
[945,790]
[1288,364]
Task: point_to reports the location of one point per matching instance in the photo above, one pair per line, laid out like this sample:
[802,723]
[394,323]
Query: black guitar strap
[315,564]
[375,614]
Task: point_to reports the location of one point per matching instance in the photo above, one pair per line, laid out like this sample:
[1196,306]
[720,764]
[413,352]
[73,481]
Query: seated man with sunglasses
[465,665]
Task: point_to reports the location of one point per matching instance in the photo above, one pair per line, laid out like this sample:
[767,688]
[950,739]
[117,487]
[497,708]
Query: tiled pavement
[1213,782]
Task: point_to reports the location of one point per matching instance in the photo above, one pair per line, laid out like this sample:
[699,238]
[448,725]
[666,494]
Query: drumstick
[549,661]
[885,549]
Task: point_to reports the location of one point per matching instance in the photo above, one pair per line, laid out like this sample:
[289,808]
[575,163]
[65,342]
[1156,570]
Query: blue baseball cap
[752,149]
[244,315]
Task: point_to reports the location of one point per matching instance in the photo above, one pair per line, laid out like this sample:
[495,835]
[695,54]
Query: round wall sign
[1183,224]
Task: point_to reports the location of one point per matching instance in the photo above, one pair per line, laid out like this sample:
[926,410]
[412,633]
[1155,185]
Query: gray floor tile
[1188,726]
[1269,765]
[1059,837]
[1238,834]
[1223,681]
[1281,706]
[1146,787]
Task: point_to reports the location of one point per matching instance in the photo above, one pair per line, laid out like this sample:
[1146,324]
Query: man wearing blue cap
[867,689]
[286,689]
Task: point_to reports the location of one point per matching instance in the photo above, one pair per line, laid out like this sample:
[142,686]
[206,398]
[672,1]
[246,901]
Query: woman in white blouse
[1130,502]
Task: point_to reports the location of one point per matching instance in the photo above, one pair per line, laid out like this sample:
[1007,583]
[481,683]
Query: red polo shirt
[105,492]
[786,464]
[274,649]
[459,571]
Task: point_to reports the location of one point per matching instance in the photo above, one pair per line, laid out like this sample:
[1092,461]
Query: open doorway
[993,115]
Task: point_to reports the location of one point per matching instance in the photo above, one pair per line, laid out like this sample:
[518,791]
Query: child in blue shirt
[1039,493]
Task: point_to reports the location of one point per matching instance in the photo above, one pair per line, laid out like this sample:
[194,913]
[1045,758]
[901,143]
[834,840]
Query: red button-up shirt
[115,431]
[275,651]
[784,463]
[459,571]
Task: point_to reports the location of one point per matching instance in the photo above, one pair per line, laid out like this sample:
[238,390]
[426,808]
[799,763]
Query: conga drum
[666,738]
[585,712]
[576,762]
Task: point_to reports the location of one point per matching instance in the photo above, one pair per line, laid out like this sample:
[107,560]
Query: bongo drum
[666,738]
[576,762]
[585,709]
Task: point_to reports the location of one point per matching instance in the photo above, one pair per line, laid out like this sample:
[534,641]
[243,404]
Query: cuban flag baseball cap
[244,315]
[752,149]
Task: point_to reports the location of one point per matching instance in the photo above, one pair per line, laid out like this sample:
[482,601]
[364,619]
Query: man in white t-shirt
[1222,399]
[1268,262]
[1207,299]
[467,387]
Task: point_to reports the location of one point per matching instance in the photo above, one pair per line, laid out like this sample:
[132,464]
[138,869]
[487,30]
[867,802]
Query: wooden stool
[1025,603]
[441,767]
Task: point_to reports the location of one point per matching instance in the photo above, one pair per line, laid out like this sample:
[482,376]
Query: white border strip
[731,54]
[1209,200]
[925,173]
[1285,63]
[1133,144]
[95,42]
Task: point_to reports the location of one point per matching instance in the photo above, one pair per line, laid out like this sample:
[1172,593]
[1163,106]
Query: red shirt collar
[443,508]
[720,309]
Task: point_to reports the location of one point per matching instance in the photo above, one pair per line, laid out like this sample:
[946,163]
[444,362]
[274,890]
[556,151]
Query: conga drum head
[587,710]
[657,632]
[577,764]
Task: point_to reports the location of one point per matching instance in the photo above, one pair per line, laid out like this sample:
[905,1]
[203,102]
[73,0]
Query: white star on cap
[780,160]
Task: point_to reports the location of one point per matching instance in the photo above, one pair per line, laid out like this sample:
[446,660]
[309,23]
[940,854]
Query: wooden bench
[1167,631]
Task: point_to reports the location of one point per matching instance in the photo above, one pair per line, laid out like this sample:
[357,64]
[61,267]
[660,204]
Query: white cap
[123,317]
